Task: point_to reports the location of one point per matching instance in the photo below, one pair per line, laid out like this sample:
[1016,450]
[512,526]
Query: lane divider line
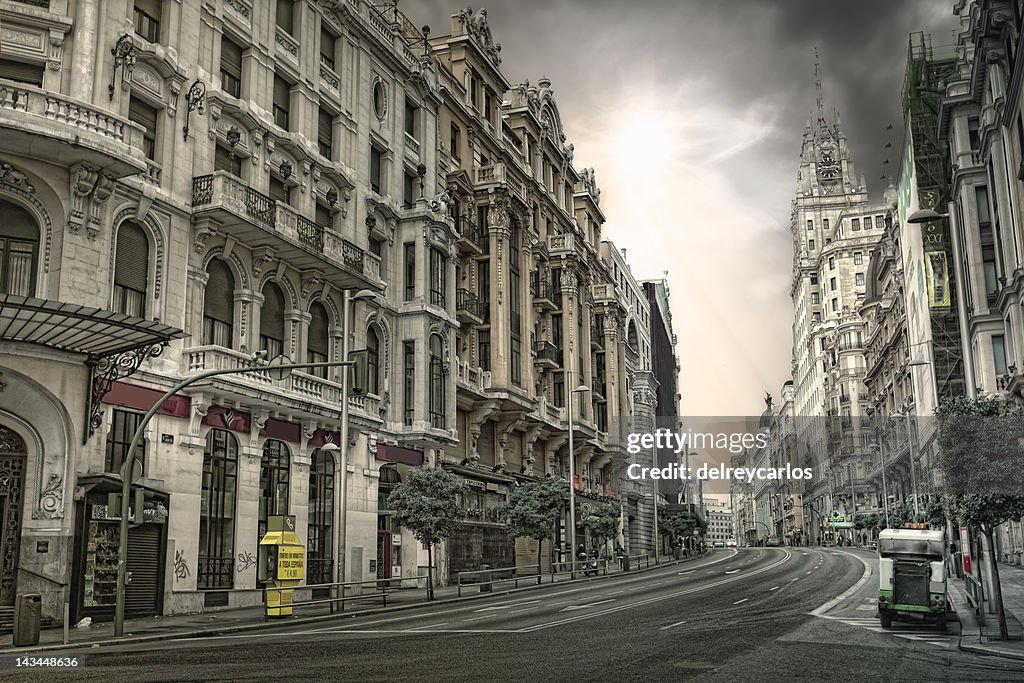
[739,601]
[678,623]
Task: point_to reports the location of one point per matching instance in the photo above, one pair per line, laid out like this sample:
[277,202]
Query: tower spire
[817,88]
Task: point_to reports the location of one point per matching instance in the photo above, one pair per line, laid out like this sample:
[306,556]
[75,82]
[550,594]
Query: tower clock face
[828,167]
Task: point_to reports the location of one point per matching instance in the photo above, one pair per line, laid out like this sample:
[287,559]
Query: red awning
[406,456]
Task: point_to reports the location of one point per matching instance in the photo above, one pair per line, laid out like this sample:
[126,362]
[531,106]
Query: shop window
[217,512]
[320,546]
[123,424]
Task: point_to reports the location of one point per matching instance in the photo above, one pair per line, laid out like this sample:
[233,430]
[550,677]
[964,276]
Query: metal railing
[466,301]
[580,567]
[336,593]
[633,561]
[485,578]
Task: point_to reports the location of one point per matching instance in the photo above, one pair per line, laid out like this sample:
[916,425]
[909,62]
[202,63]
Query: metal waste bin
[485,579]
[27,615]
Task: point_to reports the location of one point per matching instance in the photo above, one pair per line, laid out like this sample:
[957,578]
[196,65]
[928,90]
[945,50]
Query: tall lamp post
[127,467]
[581,389]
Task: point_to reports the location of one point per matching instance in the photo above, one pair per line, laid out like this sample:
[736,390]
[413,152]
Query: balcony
[544,295]
[52,127]
[258,221]
[467,307]
[472,378]
[561,244]
[498,175]
[599,388]
[603,292]
[596,336]
[546,355]
[471,240]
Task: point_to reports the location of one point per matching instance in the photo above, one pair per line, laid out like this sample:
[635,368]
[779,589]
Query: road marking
[508,606]
[771,589]
[617,592]
[734,571]
[739,601]
[678,623]
[420,628]
[796,579]
[571,608]
[807,573]
[639,603]
[821,610]
[867,608]
[690,571]
[485,616]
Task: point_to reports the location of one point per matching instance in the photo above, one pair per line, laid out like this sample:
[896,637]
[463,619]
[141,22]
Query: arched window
[219,305]
[217,511]
[19,249]
[373,361]
[131,270]
[436,398]
[318,339]
[272,321]
[275,476]
[320,547]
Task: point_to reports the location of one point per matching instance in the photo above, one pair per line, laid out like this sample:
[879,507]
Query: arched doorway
[13,454]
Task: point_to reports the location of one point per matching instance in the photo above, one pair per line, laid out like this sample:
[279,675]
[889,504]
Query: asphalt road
[737,615]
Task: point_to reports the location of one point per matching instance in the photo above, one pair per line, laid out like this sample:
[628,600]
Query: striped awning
[78,329]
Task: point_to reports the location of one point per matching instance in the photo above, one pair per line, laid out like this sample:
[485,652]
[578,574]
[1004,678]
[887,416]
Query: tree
[532,510]
[678,525]
[603,521]
[981,445]
[427,504]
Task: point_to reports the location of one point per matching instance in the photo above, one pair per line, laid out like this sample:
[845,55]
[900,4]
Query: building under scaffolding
[923,88]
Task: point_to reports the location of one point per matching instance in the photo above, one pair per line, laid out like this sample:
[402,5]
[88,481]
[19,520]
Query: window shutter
[272,312]
[231,57]
[318,334]
[220,292]
[22,72]
[142,114]
[131,268]
[281,93]
[325,126]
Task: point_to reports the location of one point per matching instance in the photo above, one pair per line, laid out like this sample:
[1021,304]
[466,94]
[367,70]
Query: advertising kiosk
[282,560]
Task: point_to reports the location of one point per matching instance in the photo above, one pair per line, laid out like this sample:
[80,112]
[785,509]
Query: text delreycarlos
[663,439]
[706,472]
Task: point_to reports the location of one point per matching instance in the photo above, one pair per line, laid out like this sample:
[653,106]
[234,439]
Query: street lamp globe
[926,216]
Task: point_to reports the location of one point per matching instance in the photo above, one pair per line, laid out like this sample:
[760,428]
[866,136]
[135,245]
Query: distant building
[720,521]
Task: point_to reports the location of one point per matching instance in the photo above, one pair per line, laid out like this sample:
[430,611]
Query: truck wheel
[886,619]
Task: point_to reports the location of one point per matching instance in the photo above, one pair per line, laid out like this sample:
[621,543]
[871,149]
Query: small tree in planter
[427,504]
[532,510]
[603,521]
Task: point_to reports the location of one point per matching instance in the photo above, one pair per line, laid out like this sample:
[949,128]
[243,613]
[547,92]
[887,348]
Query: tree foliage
[603,520]
[678,524]
[426,503]
[532,509]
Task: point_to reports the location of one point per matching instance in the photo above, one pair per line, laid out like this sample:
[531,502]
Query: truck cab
[911,576]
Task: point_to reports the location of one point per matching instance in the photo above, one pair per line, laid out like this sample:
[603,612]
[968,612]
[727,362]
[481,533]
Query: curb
[982,650]
[263,625]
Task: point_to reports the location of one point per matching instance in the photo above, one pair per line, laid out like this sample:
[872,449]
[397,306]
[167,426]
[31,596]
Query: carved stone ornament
[51,500]
[9,175]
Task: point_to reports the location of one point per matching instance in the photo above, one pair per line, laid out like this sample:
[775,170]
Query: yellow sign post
[282,564]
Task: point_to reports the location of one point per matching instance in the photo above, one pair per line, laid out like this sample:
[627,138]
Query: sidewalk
[985,639]
[223,622]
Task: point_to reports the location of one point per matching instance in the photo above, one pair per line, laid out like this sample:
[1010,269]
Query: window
[859,279]
[810,225]
[144,115]
[280,192]
[320,533]
[22,72]
[282,101]
[412,113]
[867,223]
[810,244]
[408,189]
[437,389]
[131,270]
[324,217]
[483,289]
[438,277]
[380,99]
[855,224]
[835,305]
[453,141]
[409,381]
[373,362]
[483,340]
[472,88]
[275,471]
[410,270]
[225,160]
[814,278]
[831,262]
[19,246]
[218,305]
[558,389]
[327,46]
[824,224]
[858,258]
[325,133]
[272,321]
[318,339]
[217,512]
[981,199]
[230,67]
[123,424]
[286,16]
[376,168]
[557,337]
[999,354]
[146,17]
[815,299]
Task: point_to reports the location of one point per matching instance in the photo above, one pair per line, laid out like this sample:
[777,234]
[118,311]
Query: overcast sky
[691,111]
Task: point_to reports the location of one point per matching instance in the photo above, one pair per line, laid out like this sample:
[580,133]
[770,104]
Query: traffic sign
[277,373]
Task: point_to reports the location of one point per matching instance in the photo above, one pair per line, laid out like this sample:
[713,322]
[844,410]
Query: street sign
[277,373]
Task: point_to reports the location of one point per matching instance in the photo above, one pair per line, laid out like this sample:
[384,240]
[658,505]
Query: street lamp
[928,216]
[885,492]
[347,298]
[280,364]
[581,389]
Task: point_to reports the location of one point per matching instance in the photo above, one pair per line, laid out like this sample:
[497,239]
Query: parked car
[730,543]
[773,542]
[719,544]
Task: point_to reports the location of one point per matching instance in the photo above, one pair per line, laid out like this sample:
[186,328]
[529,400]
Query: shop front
[482,538]
[97,534]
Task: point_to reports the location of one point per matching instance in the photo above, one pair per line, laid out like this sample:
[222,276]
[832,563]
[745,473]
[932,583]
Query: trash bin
[485,579]
[625,563]
[27,615]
